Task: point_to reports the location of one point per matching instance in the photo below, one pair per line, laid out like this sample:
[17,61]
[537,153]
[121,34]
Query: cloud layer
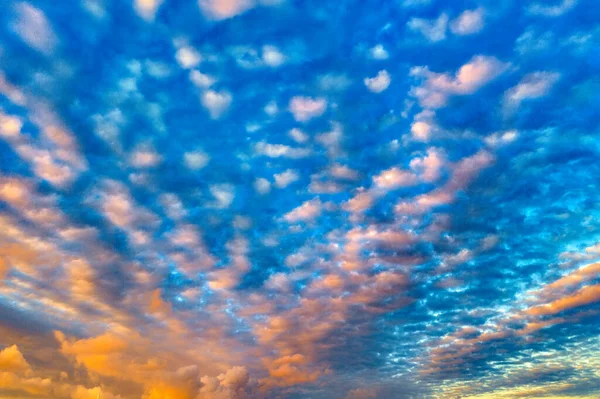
[229,199]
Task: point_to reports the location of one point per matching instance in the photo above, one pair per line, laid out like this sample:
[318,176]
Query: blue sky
[211,199]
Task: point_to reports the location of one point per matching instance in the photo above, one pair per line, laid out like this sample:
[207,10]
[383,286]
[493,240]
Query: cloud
[196,160]
[362,393]
[378,83]
[586,295]
[429,167]
[288,370]
[298,136]
[433,30]
[422,130]
[222,9]
[187,57]
[463,173]
[217,202]
[551,10]
[216,102]
[378,52]
[343,172]
[201,80]
[309,210]
[12,360]
[501,138]
[532,86]
[223,193]
[360,202]
[307,108]
[468,23]
[272,56]
[144,156]
[146,9]
[10,126]
[271,108]
[394,178]
[262,185]
[33,28]
[280,150]
[469,78]
[286,178]
[55,158]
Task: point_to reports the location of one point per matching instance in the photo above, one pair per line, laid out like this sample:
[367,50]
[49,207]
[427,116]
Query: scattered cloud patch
[307,108]
[378,83]
[196,160]
[433,30]
[468,23]
[216,102]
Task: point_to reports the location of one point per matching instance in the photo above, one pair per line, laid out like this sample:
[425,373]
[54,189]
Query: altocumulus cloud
[260,199]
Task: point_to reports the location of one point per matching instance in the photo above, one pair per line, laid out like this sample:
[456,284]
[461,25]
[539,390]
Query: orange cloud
[584,296]
[11,359]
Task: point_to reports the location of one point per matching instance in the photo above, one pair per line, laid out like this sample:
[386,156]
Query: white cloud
[222,9]
[272,56]
[309,210]
[469,78]
[429,166]
[468,23]
[332,139]
[378,52]
[343,172]
[434,30]
[421,130]
[223,193]
[173,206]
[262,185]
[501,138]
[306,108]
[157,69]
[146,9]
[33,28]
[108,127]
[196,160]
[216,102]
[394,178]
[298,135]
[271,108]
[551,10]
[201,80]
[378,83]
[187,57]
[144,156]
[531,42]
[532,86]
[286,178]
[280,150]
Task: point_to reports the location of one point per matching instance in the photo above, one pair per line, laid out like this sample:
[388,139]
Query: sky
[288,199]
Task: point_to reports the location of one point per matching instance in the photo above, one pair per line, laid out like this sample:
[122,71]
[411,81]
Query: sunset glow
[288,199]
